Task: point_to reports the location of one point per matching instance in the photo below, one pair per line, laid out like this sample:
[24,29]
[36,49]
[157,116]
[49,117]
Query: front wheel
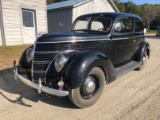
[90,91]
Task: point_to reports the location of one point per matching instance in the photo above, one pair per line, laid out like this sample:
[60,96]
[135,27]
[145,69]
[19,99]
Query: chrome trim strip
[33,59]
[40,87]
[47,52]
[44,62]
[54,52]
[125,38]
[73,41]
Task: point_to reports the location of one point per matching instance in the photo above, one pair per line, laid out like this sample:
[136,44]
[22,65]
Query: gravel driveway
[134,96]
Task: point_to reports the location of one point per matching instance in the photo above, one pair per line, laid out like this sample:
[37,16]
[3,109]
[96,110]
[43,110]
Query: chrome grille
[45,52]
[40,66]
[43,56]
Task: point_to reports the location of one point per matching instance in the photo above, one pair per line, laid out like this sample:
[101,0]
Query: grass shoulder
[10,53]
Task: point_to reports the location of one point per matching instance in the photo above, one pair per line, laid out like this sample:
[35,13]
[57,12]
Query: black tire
[80,97]
[143,61]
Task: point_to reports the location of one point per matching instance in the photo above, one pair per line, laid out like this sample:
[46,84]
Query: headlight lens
[29,54]
[59,62]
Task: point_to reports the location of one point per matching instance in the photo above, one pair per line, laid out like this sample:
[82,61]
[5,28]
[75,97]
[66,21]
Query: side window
[96,25]
[81,24]
[138,26]
[123,26]
[101,24]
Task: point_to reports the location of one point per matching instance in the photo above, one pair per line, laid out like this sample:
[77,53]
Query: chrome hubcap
[144,58]
[89,88]
[90,85]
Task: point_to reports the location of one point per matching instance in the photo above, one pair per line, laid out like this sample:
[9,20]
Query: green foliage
[116,2]
[121,7]
[151,31]
[54,1]
[149,13]
[49,2]
[155,23]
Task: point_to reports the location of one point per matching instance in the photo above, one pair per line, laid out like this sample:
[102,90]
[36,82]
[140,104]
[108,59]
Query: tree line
[149,13]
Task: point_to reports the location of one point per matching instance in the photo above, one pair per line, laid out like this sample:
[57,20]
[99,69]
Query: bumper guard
[38,86]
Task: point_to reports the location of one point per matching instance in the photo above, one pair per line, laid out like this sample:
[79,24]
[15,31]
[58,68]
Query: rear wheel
[90,91]
[143,61]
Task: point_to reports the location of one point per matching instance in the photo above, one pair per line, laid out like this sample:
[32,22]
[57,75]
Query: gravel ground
[133,96]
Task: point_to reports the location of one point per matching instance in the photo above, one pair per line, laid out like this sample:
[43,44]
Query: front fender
[82,64]
[144,46]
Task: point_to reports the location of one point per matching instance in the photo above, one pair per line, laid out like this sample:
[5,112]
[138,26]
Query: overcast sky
[143,1]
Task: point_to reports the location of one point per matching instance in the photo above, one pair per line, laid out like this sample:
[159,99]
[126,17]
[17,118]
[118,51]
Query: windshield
[96,24]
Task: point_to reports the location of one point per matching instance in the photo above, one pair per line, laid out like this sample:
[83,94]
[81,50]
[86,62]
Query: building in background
[61,15]
[21,21]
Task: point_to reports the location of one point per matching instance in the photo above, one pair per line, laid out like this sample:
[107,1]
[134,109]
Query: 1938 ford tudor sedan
[100,48]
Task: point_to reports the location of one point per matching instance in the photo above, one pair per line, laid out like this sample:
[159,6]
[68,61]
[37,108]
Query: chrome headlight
[59,62]
[29,54]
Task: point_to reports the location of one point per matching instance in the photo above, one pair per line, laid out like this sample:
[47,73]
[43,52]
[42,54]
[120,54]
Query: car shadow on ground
[152,36]
[9,85]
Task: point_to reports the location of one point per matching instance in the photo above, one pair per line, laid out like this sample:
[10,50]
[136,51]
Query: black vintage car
[100,48]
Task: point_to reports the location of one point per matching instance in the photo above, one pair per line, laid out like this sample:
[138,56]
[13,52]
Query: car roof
[113,15]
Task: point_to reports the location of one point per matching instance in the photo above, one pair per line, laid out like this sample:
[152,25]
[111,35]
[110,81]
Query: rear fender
[82,64]
[144,46]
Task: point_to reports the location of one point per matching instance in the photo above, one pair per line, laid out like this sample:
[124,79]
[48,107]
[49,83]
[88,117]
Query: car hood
[71,37]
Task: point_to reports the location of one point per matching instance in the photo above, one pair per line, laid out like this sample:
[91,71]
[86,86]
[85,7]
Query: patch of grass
[10,53]
[151,31]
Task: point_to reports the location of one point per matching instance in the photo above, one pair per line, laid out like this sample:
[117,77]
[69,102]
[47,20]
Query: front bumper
[39,85]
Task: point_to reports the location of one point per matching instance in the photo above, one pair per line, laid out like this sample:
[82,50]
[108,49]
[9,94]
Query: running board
[120,71]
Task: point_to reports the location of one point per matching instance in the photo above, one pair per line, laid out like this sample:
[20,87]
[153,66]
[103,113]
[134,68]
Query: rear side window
[123,26]
[96,25]
[138,26]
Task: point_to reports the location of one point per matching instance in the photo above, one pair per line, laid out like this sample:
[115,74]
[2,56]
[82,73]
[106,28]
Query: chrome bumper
[39,86]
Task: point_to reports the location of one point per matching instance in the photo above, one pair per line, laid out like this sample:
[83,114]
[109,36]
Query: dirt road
[134,96]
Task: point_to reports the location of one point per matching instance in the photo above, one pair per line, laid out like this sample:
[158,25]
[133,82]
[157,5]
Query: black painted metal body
[84,51]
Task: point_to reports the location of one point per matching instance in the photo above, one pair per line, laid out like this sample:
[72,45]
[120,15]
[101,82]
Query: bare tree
[150,14]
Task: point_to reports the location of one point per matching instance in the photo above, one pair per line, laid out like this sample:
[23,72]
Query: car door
[122,48]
